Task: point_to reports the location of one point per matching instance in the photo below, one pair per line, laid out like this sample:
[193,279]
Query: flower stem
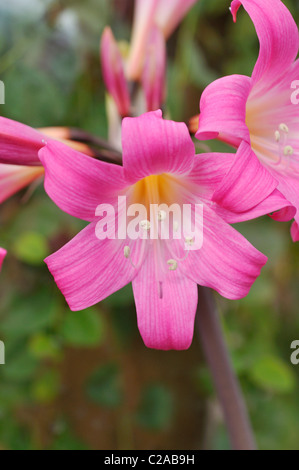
[225,380]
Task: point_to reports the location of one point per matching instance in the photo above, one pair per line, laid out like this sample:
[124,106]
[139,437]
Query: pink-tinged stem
[225,380]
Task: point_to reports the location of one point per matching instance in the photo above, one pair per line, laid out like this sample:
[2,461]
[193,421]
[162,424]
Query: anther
[127,252]
[284,128]
[145,225]
[277,136]
[189,241]
[175,226]
[288,150]
[172,263]
[162,216]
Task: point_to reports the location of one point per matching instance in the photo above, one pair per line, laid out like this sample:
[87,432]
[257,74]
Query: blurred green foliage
[78,380]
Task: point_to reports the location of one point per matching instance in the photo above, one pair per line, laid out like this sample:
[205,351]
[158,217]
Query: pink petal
[223,110]
[295,232]
[152,145]
[168,322]
[154,72]
[248,189]
[283,215]
[2,256]
[113,72]
[208,172]
[170,13]
[88,270]
[13,178]
[278,36]
[289,187]
[78,183]
[227,262]
[19,144]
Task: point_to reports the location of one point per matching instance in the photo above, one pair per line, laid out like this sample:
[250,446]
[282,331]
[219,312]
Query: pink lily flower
[159,166]
[3,253]
[258,110]
[150,13]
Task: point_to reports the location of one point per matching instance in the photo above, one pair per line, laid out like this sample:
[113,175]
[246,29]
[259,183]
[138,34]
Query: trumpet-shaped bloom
[259,110]
[2,256]
[159,166]
[149,13]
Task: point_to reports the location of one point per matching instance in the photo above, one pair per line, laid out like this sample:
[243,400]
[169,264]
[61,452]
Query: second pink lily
[258,110]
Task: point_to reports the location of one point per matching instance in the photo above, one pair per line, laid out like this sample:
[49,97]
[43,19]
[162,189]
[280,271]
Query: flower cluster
[160,168]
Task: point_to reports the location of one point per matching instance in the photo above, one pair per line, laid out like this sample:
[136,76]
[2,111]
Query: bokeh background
[85,380]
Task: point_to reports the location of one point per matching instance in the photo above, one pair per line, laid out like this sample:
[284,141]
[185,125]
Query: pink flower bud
[170,13]
[166,14]
[154,72]
[2,256]
[144,19]
[113,72]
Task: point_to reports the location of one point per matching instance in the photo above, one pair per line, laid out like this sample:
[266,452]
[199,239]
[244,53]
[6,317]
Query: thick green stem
[225,380]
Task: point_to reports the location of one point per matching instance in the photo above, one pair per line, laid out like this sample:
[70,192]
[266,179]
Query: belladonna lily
[19,162]
[259,110]
[2,256]
[159,166]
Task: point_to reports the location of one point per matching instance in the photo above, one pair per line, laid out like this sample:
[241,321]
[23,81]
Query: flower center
[163,197]
[155,189]
[271,137]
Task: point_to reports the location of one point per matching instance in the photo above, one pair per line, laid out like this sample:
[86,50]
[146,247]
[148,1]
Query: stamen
[162,216]
[175,226]
[282,143]
[173,265]
[284,128]
[288,150]
[189,241]
[127,252]
[145,225]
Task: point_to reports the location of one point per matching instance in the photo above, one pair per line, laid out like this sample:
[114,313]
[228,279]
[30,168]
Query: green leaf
[156,408]
[85,328]
[272,374]
[104,386]
[45,389]
[20,367]
[43,346]
[31,248]
[29,314]
[65,440]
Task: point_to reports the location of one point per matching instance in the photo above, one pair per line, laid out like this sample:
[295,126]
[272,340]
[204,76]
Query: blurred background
[85,380]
